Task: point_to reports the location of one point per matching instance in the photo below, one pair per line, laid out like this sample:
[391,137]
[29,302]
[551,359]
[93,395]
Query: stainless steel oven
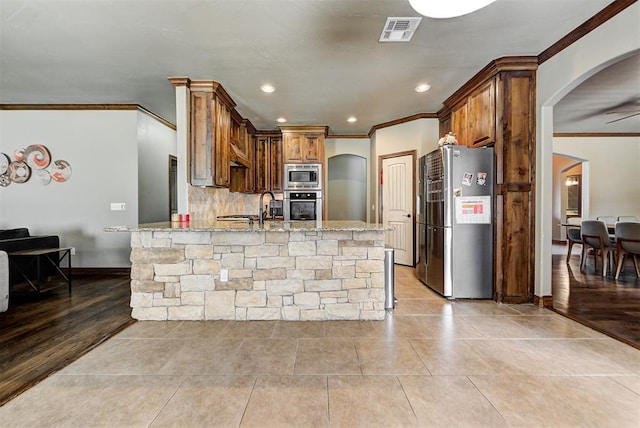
[303,205]
[302,176]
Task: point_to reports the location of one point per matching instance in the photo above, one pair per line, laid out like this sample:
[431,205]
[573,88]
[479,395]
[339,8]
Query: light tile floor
[433,362]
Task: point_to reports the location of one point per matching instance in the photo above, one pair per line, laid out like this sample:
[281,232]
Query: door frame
[414,160]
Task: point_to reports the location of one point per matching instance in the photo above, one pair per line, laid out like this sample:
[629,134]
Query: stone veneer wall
[288,275]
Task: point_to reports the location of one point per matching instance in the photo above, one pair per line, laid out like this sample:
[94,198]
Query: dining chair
[595,235]
[573,236]
[608,219]
[628,218]
[627,244]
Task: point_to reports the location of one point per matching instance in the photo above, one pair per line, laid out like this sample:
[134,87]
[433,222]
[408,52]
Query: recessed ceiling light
[352,119]
[423,87]
[267,88]
[281,120]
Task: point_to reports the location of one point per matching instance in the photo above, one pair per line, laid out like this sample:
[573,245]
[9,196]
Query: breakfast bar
[235,270]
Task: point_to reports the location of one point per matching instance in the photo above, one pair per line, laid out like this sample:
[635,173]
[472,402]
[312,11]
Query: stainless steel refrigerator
[421,221]
[458,221]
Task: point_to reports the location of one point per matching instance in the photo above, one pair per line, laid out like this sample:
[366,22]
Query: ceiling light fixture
[267,88]
[281,119]
[423,87]
[447,9]
[352,119]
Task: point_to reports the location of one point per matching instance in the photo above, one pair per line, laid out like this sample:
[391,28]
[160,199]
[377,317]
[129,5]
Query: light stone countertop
[244,226]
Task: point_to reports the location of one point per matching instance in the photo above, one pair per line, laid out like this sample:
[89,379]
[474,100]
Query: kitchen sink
[239,217]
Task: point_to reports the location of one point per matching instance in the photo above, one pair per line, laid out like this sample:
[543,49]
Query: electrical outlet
[224,275]
[73,251]
[118,206]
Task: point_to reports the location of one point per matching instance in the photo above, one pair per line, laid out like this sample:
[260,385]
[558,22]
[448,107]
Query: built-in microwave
[302,176]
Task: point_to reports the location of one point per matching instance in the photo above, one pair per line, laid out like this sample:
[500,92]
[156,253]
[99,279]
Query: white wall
[616,39]
[156,142]
[421,135]
[101,146]
[613,175]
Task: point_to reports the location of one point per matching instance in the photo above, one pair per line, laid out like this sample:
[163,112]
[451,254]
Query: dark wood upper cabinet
[268,161]
[303,144]
[210,134]
[473,119]
[481,118]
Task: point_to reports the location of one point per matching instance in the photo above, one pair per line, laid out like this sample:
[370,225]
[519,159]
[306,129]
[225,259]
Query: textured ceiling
[323,56]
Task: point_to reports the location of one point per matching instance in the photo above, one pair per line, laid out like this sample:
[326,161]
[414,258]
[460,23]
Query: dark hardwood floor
[605,304]
[40,335]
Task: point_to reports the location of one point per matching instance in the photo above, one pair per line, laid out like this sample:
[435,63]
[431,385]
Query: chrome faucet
[261,213]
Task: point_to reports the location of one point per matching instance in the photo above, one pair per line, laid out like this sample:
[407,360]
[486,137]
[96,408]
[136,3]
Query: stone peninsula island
[231,270]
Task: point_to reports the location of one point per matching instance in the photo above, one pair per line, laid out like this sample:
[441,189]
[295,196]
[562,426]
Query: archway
[347,188]
[556,77]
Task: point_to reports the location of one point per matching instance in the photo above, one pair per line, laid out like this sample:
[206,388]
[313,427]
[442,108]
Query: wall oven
[303,205]
[302,176]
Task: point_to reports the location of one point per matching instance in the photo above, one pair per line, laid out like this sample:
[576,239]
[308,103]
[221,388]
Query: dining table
[611,227]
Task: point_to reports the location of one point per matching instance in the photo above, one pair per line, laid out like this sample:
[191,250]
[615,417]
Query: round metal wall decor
[35,161]
[43,176]
[4,163]
[61,171]
[37,156]
[18,154]
[19,171]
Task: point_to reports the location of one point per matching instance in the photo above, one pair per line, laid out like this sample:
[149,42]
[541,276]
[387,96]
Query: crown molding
[87,107]
[585,28]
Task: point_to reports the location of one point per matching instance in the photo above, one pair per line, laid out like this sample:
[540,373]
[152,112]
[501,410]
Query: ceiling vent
[399,29]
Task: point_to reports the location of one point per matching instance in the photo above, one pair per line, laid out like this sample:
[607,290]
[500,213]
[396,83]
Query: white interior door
[397,206]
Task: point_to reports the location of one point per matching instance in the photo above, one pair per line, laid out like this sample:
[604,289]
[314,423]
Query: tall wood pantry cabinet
[497,107]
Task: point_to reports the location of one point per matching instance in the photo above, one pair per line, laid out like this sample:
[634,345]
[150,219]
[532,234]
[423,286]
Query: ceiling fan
[627,113]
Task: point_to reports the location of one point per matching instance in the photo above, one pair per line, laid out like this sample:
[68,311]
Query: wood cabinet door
[202,106]
[481,116]
[262,163]
[221,147]
[250,176]
[313,149]
[293,148]
[459,123]
[276,165]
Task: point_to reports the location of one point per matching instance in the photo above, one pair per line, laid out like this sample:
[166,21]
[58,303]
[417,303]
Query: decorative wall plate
[37,156]
[4,163]
[44,177]
[19,172]
[4,180]
[18,154]
[60,171]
